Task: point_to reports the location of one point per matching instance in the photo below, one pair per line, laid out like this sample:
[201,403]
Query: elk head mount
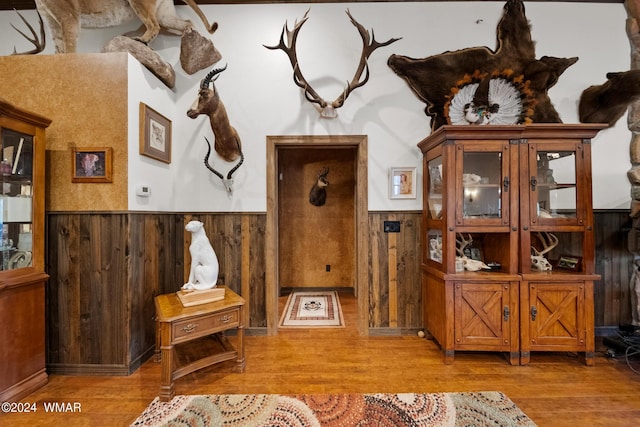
[318,193]
[328,109]
[227,141]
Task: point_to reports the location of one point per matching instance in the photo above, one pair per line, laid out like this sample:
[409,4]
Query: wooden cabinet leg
[166,375]
[448,356]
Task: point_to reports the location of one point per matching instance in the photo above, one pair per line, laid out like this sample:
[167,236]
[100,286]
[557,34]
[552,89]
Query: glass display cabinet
[22,275]
[496,199]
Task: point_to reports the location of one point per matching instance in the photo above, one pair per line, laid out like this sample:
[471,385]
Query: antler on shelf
[38,41]
[548,241]
[289,47]
[462,243]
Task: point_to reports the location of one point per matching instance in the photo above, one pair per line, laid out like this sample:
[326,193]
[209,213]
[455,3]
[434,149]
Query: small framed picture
[402,183]
[91,164]
[569,262]
[155,134]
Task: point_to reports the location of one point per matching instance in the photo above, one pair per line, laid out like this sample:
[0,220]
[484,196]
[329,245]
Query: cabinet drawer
[204,325]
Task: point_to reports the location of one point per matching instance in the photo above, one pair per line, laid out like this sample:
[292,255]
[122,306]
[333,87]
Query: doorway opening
[310,246]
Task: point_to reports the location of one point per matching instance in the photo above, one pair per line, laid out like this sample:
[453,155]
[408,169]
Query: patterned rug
[489,408]
[312,310]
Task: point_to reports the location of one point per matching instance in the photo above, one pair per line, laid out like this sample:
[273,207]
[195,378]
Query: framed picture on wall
[155,134]
[91,164]
[402,183]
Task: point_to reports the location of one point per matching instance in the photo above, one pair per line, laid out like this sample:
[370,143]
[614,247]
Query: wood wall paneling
[105,270]
[614,263]
[394,266]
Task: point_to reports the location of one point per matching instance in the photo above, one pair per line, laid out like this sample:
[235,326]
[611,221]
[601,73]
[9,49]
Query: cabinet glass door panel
[434,199]
[434,250]
[556,184]
[16,204]
[483,183]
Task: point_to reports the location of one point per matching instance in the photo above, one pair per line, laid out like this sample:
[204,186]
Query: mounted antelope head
[318,193]
[548,242]
[227,142]
[327,109]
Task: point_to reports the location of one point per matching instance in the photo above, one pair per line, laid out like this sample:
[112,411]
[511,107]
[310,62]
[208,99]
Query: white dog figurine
[204,263]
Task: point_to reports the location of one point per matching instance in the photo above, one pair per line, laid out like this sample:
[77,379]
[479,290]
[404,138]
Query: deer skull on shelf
[328,109]
[463,242]
[538,260]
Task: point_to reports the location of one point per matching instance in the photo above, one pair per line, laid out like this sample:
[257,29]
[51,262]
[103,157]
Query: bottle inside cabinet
[16,204]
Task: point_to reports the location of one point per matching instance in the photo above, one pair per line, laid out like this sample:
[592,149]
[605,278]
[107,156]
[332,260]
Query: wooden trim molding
[362,222]
[30,4]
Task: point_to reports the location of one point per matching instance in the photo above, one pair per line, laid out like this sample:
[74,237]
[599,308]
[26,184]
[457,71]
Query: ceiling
[30,4]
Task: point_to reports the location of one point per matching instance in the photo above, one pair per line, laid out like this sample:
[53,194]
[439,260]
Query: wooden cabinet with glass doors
[478,226]
[556,299]
[22,275]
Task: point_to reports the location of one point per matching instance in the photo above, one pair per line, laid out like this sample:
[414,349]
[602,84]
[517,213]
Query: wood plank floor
[554,390]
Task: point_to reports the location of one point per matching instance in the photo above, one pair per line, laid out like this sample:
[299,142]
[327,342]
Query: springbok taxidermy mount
[227,141]
[318,193]
[548,242]
[328,109]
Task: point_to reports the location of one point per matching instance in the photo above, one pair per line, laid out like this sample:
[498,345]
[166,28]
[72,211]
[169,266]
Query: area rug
[489,408]
[312,310]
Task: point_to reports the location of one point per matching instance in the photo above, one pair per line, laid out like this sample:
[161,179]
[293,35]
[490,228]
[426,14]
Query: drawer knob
[226,318]
[190,327]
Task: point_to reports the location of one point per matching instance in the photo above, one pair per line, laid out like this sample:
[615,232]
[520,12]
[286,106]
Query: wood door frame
[359,142]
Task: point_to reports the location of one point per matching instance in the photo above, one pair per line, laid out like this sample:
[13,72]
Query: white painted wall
[262,100]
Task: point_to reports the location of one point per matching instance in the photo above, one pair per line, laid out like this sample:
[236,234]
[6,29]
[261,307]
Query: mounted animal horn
[227,141]
[204,84]
[327,109]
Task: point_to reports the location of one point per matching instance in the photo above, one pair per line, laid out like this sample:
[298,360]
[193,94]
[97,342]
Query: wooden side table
[177,324]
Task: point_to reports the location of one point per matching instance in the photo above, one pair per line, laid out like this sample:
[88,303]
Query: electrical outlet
[392,226]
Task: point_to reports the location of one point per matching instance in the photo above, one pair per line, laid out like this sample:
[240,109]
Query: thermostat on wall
[143,190]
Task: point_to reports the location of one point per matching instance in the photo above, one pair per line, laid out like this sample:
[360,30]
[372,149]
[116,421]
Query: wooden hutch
[22,275]
[499,194]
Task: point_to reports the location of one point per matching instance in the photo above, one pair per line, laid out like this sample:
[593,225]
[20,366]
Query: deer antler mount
[328,109]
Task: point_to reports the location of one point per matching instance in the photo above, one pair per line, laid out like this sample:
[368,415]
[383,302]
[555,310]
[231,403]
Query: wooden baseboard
[25,387]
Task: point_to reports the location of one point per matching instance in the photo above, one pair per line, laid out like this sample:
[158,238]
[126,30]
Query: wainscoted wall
[395,293]
[106,268]
[614,265]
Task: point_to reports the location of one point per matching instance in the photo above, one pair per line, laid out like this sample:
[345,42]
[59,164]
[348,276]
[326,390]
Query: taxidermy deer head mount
[327,109]
[318,193]
[227,141]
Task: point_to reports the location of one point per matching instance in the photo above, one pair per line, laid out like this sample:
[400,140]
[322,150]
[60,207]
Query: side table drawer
[199,326]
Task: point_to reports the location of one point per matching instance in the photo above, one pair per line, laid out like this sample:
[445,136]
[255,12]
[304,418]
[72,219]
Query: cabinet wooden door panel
[482,314]
[556,314]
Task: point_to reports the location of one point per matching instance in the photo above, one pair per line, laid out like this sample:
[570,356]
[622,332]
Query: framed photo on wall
[402,183]
[91,164]
[155,134]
